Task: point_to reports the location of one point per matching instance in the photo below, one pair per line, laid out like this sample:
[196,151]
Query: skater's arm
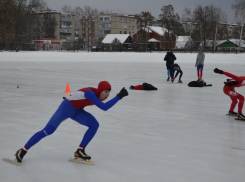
[174,57]
[237,78]
[103,106]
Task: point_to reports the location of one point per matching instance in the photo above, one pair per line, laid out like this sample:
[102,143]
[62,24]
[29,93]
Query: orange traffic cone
[67,89]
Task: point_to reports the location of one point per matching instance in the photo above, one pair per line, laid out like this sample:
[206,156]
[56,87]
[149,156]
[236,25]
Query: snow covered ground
[175,134]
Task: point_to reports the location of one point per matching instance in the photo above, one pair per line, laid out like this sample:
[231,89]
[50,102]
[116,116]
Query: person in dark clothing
[144,86]
[169,58]
[176,67]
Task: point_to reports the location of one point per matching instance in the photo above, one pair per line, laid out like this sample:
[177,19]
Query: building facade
[114,24]
[54,25]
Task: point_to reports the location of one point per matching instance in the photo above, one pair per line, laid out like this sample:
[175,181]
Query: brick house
[155,37]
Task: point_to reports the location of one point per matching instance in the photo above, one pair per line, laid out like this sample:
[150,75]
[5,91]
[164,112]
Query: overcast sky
[136,6]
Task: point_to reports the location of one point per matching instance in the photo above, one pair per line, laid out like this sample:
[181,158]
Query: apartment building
[67,28]
[114,24]
[54,25]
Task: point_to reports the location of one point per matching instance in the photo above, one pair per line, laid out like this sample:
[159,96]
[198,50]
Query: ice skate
[80,153]
[81,157]
[168,79]
[20,155]
[172,80]
[179,81]
[232,113]
[241,116]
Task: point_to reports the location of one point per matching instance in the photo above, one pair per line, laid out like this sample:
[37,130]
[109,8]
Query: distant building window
[101,32]
[133,26]
[129,33]
[106,18]
[125,19]
[121,26]
[125,25]
[120,32]
[133,20]
[101,18]
[129,19]
[125,32]
[129,26]
[120,19]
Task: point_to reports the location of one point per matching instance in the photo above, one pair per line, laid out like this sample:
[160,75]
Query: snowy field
[175,134]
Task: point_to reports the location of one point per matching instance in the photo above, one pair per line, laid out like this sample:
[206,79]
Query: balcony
[104,28]
[105,21]
[65,26]
[65,19]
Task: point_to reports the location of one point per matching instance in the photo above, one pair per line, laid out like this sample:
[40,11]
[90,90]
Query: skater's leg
[233,104]
[88,120]
[48,130]
[201,71]
[198,75]
[168,73]
[241,102]
[62,113]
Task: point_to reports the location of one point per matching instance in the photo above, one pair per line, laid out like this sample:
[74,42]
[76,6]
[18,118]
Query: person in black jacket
[169,58]
[175,67]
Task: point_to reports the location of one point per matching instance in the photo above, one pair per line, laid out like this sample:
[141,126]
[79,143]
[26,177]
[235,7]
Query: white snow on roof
[110,37]
[158,30]
[153,40]
[236,41]
[181,41]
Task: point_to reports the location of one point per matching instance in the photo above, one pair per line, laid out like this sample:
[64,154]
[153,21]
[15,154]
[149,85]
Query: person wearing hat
[200,63]
[73,107]
[169,58]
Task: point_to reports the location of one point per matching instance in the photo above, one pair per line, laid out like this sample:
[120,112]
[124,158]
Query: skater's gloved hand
[216,70]
[122,93]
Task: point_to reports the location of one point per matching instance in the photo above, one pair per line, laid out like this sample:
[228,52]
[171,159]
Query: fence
[176,46]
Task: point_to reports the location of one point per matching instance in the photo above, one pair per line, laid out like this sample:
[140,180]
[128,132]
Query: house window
[129,33]
[106,18]
[129,19]
[101,32]
[125,25]
[125,19]
[101,18]
[125,32]
[120,19]
[133,26]
[120,32]
[129,26]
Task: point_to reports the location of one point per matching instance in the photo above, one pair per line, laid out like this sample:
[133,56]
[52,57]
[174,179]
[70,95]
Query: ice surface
[175,134]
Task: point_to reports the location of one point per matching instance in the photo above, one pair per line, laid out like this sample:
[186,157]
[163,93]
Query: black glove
[122,93]
[216,70]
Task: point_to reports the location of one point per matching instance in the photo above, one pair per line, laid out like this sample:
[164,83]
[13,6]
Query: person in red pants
[229,89]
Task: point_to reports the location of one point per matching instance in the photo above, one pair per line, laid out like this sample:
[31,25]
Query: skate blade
[12,162]
[231,115]
[239,119]
[81,161]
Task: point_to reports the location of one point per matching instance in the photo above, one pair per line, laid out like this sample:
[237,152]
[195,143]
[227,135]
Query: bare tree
[187,15]
[66,9]
[239,8]
[169,20]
